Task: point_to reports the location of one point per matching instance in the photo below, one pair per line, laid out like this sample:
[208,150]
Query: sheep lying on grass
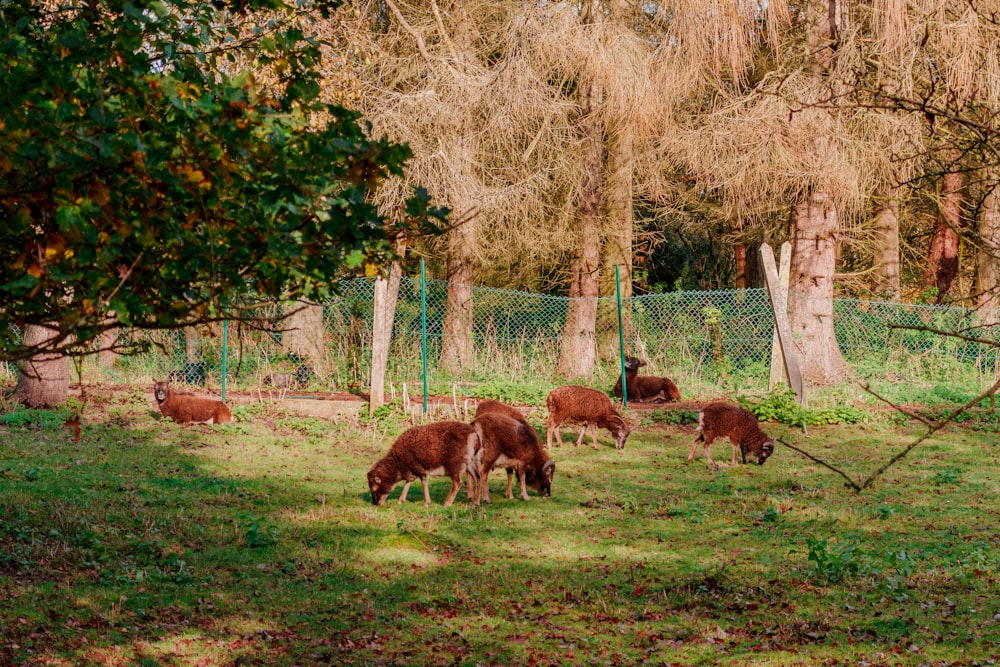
[589,407]
[721,420]
[646,387]
[186,408]
[442,448]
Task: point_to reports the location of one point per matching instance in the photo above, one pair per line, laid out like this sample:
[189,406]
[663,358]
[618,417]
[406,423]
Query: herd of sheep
[500,437]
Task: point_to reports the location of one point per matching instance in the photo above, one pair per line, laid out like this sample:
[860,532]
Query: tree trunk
[303,336]
[942,265]
[619,223]
[886,283]
[988,261]
[458,350]
[44,378]
[810,302]
[386,294]
[579,344]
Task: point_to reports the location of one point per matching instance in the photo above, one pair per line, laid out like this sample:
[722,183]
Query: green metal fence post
[621,336]
[423,328]
[225,355]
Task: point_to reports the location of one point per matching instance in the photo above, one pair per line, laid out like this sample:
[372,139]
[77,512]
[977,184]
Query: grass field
[255,543]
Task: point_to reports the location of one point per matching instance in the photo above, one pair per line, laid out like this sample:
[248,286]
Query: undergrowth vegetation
[255,543]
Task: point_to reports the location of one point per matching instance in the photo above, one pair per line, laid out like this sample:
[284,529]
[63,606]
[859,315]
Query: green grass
[255,543]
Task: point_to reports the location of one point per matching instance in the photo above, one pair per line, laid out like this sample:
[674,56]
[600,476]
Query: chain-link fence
[709,340]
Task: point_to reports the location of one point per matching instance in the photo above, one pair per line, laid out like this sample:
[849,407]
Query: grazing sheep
[186,408]
[493,406]
[585,406]
[720,420]
[647,387]
[510,442]
[442,448]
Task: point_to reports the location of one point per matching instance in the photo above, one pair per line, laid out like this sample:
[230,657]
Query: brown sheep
[509,442]
[589,407]
[186,408]
[493,406]
[442,448]
[646,387]
[720,420]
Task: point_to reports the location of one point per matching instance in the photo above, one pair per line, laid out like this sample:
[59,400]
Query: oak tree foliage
[161,160]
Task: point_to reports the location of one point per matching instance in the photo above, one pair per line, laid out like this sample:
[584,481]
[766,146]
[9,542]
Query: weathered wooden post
[779,305]
[778,373]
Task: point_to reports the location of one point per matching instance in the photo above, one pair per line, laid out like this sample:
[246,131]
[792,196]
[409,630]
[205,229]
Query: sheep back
[442,448]
[186,408]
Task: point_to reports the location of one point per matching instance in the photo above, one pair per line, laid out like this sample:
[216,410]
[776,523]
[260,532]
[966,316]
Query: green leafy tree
[160,159]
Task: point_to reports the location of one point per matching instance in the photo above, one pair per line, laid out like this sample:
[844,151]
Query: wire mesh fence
[700,339]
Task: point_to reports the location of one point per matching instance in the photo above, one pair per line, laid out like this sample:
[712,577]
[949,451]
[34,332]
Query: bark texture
[988,261]
[43,381]
[885,282]
[618,238]
[303,336]
[942,264]
[457,345]
[810,298]
[386,294]
[579,344]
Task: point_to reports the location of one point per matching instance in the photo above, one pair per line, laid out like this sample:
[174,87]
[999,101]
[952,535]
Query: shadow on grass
[149,543]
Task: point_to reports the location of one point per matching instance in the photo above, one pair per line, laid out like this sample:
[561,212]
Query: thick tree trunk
[458,350]
[942,264]
[44,378]
[619,223]
[810,298]
[988,261]
[885,282]
[386,294]
[303,336]
[579,344]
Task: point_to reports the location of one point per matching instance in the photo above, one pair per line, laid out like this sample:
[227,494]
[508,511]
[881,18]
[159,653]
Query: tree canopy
[160,159]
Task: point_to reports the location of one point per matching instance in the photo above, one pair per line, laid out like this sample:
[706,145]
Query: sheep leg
[510,483]
[736,446]
[593,431]
[524,487]
[708,452]
[472,482]
[548,436]
[694,447]
[456,485]
[426,483]
[406,489]
[583,432]
[484,485]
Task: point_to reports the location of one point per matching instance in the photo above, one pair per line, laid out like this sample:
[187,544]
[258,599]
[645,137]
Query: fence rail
[719,339]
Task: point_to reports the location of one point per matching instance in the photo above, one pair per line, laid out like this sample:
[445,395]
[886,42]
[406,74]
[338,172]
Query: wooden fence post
[780,308]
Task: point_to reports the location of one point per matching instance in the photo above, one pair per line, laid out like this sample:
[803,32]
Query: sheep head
[161,390]
[379,486]
[756,453]
[541,480]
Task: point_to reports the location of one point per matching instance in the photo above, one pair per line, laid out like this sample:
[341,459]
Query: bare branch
[850,482]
